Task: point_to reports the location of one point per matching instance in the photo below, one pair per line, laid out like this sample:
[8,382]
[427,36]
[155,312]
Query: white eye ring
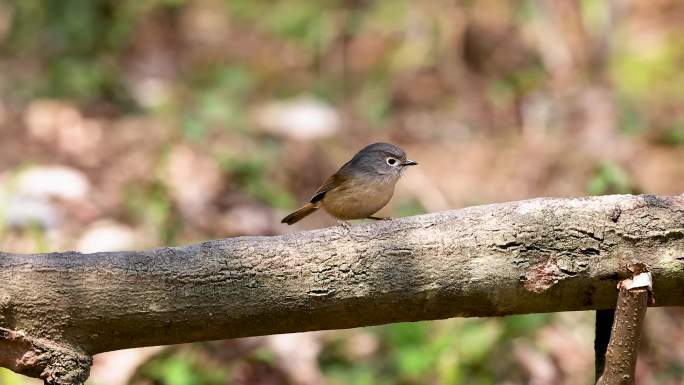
[392,161]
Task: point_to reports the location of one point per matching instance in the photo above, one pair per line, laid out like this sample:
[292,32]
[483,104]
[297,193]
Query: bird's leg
[344,224]
[380,218]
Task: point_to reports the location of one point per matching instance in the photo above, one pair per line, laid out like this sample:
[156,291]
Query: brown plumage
[360,187]
[299,214]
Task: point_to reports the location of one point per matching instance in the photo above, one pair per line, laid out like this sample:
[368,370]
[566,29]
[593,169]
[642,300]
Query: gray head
[379,158]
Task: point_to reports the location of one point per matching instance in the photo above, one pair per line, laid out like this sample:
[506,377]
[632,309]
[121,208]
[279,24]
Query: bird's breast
[357,198]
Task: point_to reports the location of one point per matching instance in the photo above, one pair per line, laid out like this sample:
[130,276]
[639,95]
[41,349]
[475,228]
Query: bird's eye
[392,161]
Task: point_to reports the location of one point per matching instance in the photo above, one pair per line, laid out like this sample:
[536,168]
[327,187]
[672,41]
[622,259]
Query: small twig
[621,355]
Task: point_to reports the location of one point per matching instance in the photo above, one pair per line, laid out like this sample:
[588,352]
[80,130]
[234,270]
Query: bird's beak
[409,162]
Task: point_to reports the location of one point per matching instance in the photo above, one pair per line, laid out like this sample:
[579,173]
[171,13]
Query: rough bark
[36,357]
[621,356]
[540,255]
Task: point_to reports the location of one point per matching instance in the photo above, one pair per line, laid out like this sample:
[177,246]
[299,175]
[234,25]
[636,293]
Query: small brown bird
[360,187]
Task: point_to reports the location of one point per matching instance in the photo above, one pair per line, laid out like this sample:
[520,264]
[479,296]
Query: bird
[361,187]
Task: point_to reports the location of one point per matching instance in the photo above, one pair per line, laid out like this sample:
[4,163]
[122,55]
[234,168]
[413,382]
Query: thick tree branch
[540,255]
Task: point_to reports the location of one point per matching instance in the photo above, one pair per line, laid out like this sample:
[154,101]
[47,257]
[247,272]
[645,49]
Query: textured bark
[35,357]
[541,255]
[621,356]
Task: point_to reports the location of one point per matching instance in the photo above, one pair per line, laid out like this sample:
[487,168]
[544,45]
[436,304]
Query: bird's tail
[299,214]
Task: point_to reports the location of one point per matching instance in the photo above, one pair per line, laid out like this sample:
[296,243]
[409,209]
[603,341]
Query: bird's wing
[333,181]
[329,184]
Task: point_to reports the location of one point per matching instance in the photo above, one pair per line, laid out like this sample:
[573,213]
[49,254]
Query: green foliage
[183,369]
[674,134]
[251,173]
[264,355]
[409,207]
[7,377]
[609,178]
[307,22]
[596,13]
[520,325]
[217,98]
[151,204]
[77,42]
[384,16]
[37,235]
[67,34]
[504,90]
[631,120]
[458,351]
[374,100]
[29,19]
[650,72]
[81,79]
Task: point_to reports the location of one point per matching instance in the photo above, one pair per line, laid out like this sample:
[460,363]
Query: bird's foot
[380,218]
[344,224]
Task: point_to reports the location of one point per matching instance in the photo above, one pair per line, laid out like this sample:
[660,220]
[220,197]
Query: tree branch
[621,355]
[540,255]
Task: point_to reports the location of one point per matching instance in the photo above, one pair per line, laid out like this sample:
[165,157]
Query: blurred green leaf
[265,355]
[385,15]
[410,207]
[674,135]
[183,368]
[631,121]
[357,374]
[308,22]
[477,339]
[416,361]
[374,100]
[152,204]
[29,19]
[78,79]
[654,72]
[178,372]
[596,13]
[526,324]
[172,371]
[252,175]
[406,333]
[194,128]
[609,178]
[218,99]
[7,377]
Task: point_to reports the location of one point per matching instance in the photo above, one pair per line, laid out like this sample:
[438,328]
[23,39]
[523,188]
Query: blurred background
[128,124]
